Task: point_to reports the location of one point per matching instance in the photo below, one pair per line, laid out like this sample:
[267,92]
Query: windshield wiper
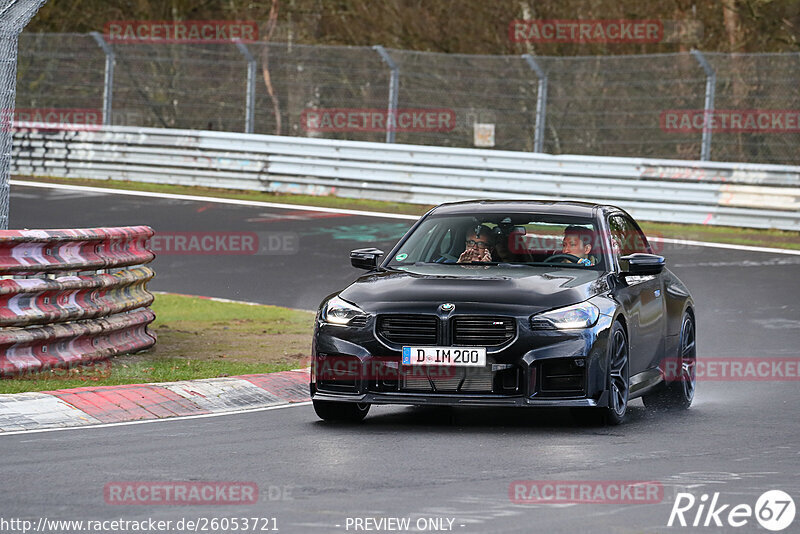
[501,263]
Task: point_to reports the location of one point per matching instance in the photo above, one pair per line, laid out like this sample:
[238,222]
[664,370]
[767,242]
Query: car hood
[473,288]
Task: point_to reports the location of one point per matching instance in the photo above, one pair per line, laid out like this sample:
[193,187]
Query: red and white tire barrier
[31,301]
[69,313]
[64,345]
[84,249]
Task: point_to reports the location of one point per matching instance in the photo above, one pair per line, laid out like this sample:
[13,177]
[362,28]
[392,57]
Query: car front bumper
[529,355]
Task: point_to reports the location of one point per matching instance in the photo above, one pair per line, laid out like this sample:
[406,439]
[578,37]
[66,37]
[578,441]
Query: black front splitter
[461,400]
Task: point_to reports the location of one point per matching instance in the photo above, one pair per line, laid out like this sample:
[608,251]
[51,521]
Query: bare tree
[730,17]
[272,22]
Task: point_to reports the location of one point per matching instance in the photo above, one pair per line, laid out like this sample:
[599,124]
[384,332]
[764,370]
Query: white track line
[237,202]
[141,422]
[217,200]
[729,246]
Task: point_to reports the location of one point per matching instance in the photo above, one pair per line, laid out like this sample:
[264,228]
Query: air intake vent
[408,329]
[563,376]
[359,321]
[447,380]
[483,331]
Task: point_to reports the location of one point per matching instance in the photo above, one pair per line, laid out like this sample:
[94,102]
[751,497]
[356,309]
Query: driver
[578,242]
[478,245]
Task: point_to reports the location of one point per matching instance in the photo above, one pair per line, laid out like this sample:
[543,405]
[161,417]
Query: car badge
[447,307]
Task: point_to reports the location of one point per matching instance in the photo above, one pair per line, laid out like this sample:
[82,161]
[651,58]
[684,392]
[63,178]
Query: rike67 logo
[774,510]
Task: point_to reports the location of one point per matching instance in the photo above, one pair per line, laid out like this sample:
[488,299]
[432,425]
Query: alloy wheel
[688,355]
[618,373]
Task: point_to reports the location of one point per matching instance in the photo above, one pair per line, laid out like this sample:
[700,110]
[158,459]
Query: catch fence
[599,105]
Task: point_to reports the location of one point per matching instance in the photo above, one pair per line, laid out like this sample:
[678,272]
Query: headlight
[581,315]
[338,311]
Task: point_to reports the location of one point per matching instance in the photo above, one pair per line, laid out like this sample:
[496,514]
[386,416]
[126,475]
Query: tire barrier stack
[73,296]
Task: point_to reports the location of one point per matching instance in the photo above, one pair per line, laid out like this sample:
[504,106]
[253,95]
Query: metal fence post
[394,88]
[13,18]
[708,109]
[108,80]
[250,99]
[541,103]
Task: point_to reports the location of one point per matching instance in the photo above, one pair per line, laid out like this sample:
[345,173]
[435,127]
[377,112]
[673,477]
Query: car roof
[555,207]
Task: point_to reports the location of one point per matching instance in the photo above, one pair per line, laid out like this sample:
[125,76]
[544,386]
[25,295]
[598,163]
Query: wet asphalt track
[739,439]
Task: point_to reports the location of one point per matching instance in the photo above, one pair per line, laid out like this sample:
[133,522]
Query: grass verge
[690,232]
[197,338]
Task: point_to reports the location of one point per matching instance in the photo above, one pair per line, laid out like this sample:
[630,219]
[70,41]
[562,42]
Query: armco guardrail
[64,311]
[735,194]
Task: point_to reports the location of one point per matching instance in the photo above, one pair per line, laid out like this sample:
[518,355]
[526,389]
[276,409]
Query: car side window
[439,241]
[424,248]
[447,241]
[626,237]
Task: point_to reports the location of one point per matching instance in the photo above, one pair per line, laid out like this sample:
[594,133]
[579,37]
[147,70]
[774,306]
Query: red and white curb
[141,402]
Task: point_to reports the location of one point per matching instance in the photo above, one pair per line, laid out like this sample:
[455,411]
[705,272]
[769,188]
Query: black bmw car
[508,303]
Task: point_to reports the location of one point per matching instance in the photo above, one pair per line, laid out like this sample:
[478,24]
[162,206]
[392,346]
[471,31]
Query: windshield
[503,238]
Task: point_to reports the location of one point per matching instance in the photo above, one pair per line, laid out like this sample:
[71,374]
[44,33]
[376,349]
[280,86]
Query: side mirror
[640,264]
[365,258]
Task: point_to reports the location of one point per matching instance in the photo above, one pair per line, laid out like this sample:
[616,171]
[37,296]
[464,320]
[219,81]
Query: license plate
[455,356]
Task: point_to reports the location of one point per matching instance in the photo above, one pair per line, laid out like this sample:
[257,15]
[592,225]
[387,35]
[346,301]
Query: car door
[641,296]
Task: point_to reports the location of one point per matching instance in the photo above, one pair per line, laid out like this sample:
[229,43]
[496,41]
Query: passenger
[501,249]
[508,241]
[578,242]
[478,245]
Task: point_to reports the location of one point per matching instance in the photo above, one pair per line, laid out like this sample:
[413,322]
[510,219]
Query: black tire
[618,376]
[678,394]
[352,412]
[617,384]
